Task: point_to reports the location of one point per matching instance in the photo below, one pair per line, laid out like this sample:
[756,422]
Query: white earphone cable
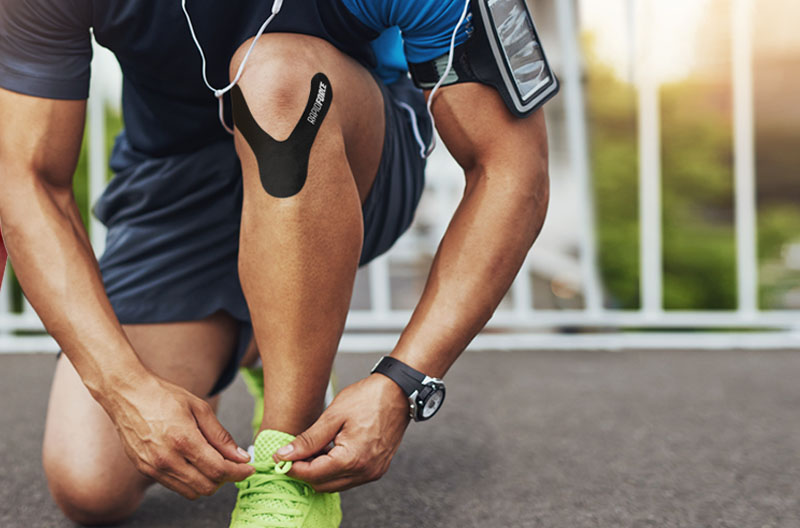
[218,93]
[426,152]
[414,125]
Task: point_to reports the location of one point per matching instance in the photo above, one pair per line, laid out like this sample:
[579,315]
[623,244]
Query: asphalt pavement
[638,439]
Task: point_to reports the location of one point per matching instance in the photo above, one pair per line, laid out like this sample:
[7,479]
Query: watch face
[432,404]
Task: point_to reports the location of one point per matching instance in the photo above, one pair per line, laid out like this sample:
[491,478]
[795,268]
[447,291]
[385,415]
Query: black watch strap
[408,378]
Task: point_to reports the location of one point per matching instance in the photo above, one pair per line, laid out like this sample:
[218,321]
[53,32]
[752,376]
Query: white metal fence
[385,291]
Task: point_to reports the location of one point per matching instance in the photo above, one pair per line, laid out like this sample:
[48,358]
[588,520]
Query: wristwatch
[425,394]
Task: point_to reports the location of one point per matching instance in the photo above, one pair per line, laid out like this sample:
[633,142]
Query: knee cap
[94,501]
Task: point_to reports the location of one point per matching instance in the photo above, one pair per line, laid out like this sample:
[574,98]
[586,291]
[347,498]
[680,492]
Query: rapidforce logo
[317,108]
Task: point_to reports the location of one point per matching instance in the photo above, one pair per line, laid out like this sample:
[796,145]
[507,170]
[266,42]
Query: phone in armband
[503,50]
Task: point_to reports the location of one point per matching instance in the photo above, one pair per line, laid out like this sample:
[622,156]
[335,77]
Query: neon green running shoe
[254,380]
[271,499]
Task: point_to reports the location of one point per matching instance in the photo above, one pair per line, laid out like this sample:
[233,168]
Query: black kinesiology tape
[283,165]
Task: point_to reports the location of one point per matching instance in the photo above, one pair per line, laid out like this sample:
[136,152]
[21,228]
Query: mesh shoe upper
[270,498]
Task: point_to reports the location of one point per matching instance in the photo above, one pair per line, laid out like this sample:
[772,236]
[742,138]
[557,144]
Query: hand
[175,438]
[366,422]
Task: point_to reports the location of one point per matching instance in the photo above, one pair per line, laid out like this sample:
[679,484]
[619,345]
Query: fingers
[312,441]
[217,435]
[328,473]
[191,467]
[207,457]
[181,477]
[212,465]
[340,469]
[321,469]
[177,486]
[325,474]
[198,482]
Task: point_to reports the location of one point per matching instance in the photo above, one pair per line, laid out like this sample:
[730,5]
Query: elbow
[533,182]
[521,190]
[12,219]
[26,192]
[18,175]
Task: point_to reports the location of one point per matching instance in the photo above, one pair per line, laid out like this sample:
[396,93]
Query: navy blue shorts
[173,223]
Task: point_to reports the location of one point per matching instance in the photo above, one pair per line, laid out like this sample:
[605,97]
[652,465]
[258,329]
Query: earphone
[218,93]
[425,150]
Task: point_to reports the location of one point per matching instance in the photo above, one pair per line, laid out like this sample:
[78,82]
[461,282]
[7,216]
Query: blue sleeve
[427,25]
[388,48]
[46,47]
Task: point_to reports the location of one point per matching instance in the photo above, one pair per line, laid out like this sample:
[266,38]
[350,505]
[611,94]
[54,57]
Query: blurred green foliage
[81,181]
[697,165]
[778,225]
[697,184]
[614,160]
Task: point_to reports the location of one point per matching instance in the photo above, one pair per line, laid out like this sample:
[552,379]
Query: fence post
[577,137]
[650,206]
[744,158]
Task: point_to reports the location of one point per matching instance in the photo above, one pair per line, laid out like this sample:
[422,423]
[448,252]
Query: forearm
[481,253]
[57,269]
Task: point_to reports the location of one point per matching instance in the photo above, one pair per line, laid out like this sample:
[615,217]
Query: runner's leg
[89,475]
[298,256]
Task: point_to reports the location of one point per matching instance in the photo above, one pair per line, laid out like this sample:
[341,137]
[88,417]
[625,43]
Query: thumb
[217,436]
[311,441]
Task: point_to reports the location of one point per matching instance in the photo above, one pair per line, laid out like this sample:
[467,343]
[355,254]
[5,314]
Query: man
[313,185]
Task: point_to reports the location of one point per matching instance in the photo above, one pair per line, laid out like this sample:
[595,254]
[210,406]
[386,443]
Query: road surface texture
[532,439]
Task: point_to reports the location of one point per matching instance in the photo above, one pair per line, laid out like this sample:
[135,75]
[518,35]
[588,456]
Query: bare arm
[39,146]
[169,434]
[505,163]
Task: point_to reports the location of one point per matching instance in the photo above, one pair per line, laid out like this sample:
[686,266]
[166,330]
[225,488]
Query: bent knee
[283,56]
[277,77]
[92,498]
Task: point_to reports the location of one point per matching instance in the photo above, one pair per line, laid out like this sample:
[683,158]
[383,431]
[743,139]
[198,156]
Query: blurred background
[674,160]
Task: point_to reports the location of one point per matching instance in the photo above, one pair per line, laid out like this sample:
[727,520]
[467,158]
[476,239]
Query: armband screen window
[521,47]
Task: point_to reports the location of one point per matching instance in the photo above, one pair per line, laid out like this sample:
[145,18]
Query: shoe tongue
[270,499]
[267,442]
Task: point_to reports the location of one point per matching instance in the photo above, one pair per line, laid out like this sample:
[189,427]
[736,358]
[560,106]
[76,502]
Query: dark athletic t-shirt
[45,51]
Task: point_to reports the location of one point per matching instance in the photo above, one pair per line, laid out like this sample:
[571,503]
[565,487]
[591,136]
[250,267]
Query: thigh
[81,443]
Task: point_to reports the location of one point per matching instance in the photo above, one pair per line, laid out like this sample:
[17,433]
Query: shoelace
[269,495]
